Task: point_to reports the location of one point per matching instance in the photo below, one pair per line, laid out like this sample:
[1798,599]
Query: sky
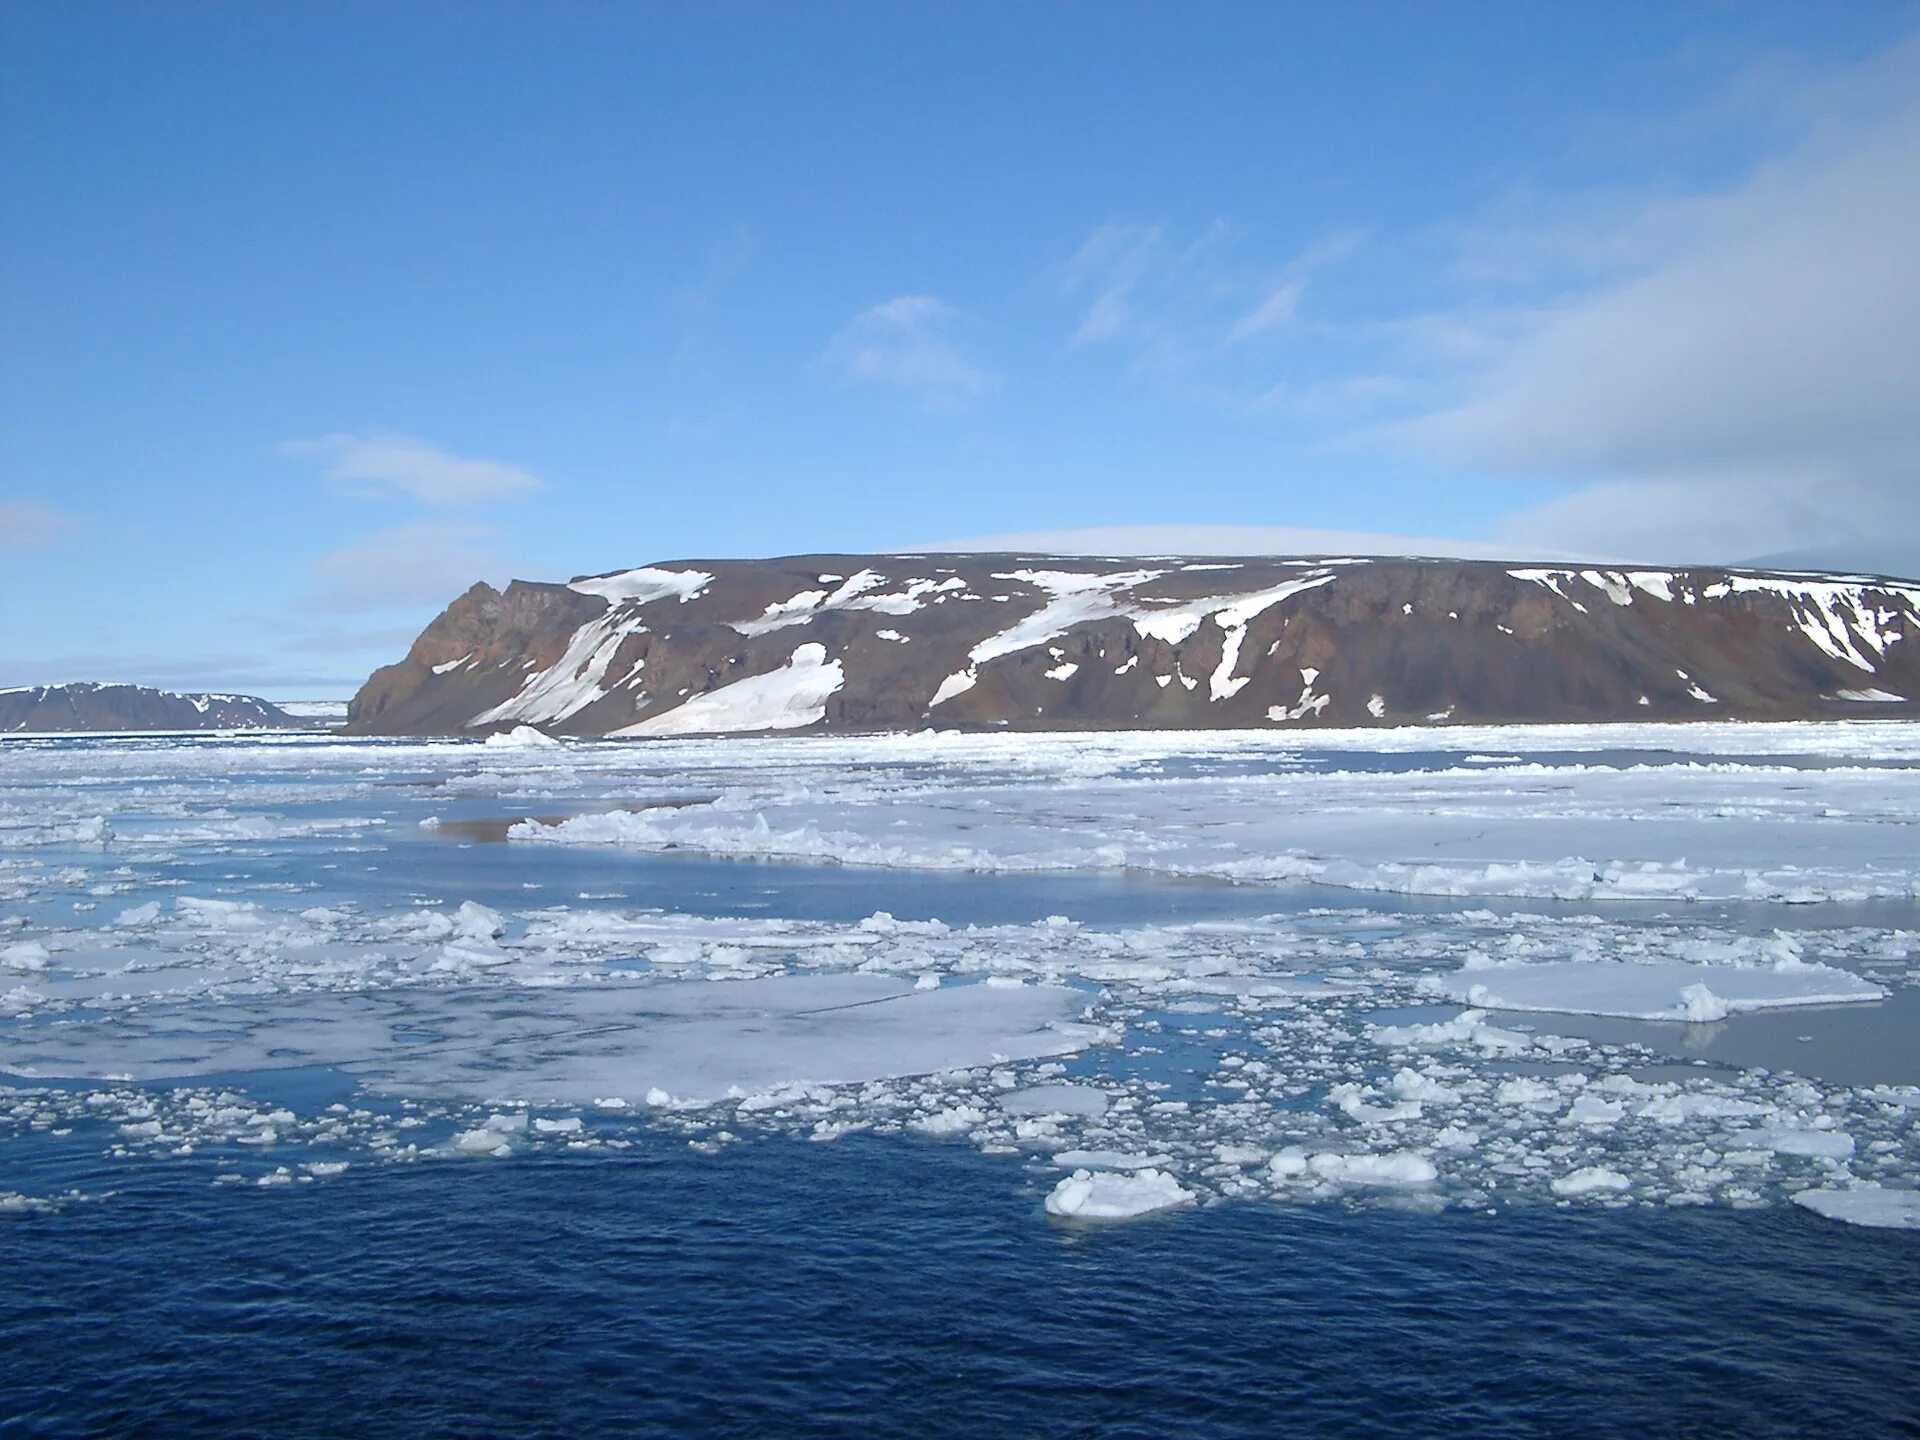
[312,315]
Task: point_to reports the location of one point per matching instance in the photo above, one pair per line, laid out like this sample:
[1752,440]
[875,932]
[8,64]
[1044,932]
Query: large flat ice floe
[1655,990]
[673,1043]
[183,925]
[1874,1206]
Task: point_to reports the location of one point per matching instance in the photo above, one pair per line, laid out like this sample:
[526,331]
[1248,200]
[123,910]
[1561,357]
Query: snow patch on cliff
[785,699]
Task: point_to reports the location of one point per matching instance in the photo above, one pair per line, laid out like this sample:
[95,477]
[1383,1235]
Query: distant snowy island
[35,709]
[868,643]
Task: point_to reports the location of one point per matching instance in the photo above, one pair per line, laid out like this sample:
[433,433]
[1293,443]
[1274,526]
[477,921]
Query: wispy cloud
[723,262]
[385,463]
[29,525]
[429,562]
[1281,302]
[1276,309]
[1107,272]
[1197,310]
[908,344]
[1345,397]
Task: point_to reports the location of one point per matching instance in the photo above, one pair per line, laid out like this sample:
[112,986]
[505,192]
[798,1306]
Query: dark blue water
[877,1288]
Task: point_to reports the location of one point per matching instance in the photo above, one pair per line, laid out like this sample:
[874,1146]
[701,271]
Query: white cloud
[421,564]
[1181,539]
[1746,381]
[382,463]
[906,344]
[29,525]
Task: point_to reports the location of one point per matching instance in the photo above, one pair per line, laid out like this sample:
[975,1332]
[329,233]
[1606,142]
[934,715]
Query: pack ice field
[1603,966]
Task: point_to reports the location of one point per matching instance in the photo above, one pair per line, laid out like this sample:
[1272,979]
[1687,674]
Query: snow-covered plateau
[1465,967]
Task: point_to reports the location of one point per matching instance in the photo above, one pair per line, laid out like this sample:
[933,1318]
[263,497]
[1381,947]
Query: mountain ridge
[105,706]
[844,642]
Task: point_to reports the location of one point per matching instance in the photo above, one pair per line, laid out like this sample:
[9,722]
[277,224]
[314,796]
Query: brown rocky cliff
[1040,642]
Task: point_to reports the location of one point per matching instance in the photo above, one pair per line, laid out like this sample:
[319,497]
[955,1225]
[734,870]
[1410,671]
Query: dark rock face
[892,642]
[44,708]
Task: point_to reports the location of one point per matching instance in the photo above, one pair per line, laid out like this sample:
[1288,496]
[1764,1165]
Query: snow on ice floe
[1876,1206]
[1397,1169]
[1591,1180]
[1303,1055]
[1654,990]
[1055,1100]
[1098,1195]
[689,1044]
[521,737]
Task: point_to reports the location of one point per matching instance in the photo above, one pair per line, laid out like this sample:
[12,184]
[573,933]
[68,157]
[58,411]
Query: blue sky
[311,315]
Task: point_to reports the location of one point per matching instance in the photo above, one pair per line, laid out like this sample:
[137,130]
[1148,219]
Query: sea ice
[1879,1207]
[1654,991]
[522,737]
[1395,1168]
[1055,1100]
[954,1120]
[1784,1140]
[1238,1055]
[1562,830]
[1592,1180]
[695,1042]
[1108,1160]
[1100,1195]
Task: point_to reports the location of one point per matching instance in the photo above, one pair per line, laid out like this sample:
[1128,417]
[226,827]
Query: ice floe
[1878,1207]
[521,737]
[1102,1195]
[1654,990]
